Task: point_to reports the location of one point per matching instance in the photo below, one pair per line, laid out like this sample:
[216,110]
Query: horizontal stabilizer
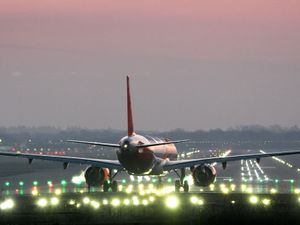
[161,143]
[95,143]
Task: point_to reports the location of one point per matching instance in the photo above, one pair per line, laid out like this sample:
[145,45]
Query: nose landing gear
[181,183]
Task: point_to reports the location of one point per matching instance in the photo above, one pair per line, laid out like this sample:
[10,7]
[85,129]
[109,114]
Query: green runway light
[169,180]
[292,181]
[276,181]
[7,184]
[21,183]
[124,181]
[35,183]
[63,182]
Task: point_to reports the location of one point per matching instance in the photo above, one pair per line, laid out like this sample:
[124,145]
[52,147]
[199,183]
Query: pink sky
[222,30]
[196,39]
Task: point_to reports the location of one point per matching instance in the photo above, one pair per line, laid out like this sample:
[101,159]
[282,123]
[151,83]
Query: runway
[46,193]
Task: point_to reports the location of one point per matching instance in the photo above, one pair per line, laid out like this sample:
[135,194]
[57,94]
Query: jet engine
[95,176]
[204,175]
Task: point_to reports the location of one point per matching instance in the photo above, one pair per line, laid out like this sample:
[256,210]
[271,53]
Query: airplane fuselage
[147,160]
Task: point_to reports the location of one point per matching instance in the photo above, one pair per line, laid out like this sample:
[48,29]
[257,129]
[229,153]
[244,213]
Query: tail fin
[129,111]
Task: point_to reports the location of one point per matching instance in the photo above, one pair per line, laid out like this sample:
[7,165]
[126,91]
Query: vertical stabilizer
[129,110]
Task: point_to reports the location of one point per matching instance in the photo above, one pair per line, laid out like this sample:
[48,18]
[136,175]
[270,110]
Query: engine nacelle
[95,176]
[204,175]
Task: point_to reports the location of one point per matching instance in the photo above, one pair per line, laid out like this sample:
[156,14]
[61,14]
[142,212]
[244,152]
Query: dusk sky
[193,64]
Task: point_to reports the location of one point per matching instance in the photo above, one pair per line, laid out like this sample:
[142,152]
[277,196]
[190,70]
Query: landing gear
[106,186]
[186,187]
[113,184]
[181,183]
[159,184]
[177,185]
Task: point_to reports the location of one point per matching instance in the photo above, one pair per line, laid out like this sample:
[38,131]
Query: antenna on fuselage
[129,111]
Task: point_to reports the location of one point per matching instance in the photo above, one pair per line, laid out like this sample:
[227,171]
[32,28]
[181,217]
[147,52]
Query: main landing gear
[113,184]
[181,183]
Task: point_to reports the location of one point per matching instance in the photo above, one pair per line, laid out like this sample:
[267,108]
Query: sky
[193,64]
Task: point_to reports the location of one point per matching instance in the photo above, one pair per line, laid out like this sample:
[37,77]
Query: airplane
[145,156]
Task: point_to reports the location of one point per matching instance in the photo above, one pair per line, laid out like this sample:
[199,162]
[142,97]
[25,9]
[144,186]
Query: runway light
[151,199]
[42,202]
[135,201]
[95,204]
[105,202]
[7,204]
[35,183]
[72,202]
[297,191]
[266,201]
[194,200]
[233,187]
[57,191]
[253,200]
[115,202]
[34,192]
[7,184]
[126,202]
[49,182]
[172,202]
[273,191]
[63,182]
[21,183]
[145,202]
[200,202]
[54,201]
[86,200]
[225,191]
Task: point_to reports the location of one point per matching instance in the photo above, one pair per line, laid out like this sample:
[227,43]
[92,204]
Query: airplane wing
[111,164]
[170,165]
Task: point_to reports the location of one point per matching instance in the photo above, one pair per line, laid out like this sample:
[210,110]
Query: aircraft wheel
[177,185]
[106,186]
[186,186]
[114,186]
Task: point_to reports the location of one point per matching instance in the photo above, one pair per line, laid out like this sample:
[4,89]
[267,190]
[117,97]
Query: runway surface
[245,192]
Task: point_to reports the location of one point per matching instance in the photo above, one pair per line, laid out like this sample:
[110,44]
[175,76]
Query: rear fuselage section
[145,160]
